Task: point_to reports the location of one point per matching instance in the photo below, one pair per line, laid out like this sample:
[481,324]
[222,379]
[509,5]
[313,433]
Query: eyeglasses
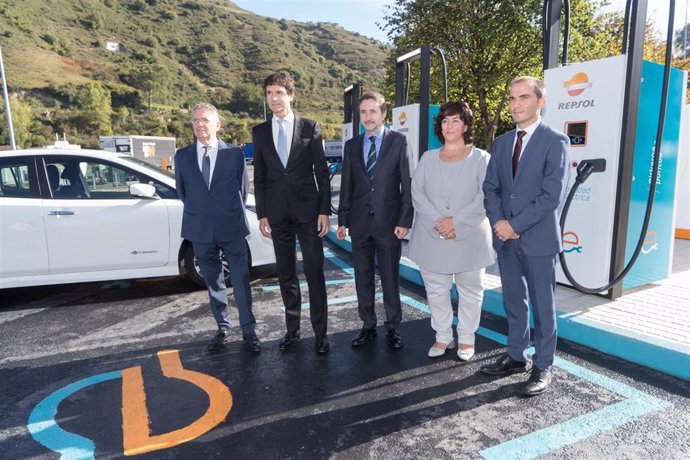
[205,121]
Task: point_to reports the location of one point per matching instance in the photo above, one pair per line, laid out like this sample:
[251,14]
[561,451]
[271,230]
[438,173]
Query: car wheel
[191,265]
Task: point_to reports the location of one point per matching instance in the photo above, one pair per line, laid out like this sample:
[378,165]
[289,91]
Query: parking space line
[568,432]
[303,284]
[328,254]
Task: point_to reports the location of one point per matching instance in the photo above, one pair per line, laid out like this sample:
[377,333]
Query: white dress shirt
[528,135]
[212,155]
[289,125]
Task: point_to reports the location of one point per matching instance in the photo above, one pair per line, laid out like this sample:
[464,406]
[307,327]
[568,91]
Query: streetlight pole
[8,112]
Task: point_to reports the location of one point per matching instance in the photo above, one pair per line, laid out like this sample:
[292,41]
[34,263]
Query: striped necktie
[371,158]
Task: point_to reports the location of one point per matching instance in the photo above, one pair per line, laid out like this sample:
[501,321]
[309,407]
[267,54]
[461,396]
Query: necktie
[371,157]
[206,166]
[282,145]
[517,150]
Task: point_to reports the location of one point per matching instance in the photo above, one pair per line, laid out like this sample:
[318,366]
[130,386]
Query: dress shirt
[367,144]
[289,129]
[528,134]
[212,154]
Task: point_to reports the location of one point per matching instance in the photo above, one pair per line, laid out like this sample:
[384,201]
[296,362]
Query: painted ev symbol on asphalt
[137,438]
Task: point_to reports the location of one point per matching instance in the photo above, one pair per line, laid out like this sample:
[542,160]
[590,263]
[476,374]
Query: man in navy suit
[212,183]
[293,199]
[376,208]
[524,186]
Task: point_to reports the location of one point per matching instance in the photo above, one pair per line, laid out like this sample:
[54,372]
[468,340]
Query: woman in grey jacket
[451,236]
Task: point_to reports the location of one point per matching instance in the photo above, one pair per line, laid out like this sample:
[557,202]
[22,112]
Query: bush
[169,15]
[49,39]
[137,5]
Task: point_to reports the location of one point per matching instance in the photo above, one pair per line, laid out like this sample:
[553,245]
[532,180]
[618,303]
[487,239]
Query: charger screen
[577,132]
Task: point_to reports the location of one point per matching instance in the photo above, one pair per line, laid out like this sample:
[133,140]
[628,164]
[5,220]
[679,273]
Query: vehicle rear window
[16,175]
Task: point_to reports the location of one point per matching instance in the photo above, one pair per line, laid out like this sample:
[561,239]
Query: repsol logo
[576,104]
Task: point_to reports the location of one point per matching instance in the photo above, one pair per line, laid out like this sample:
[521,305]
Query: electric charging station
[351,96]
[416,121]
[610,110]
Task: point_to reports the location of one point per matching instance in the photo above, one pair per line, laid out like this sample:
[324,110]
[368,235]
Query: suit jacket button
[512,195]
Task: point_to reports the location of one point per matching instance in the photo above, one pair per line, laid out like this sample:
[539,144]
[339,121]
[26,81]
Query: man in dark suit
[524,186]
[376,207]
[212,183]
[293,198]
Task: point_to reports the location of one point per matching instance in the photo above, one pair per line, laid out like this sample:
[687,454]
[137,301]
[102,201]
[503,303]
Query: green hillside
[172,54]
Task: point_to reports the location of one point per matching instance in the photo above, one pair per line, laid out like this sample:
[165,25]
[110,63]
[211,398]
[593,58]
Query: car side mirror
[142,190]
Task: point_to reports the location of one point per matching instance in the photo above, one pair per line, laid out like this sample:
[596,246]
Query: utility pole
[8,112]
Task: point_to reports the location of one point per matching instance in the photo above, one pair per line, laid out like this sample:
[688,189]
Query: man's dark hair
[374,96]
[536,84]
[281,78]
[455,108]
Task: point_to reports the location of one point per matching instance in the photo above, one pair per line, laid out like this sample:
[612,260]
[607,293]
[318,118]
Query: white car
[69,216]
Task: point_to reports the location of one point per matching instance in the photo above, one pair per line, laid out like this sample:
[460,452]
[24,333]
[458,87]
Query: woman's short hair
[455,108]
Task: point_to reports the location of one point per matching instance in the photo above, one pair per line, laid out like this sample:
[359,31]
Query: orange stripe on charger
[683,233]
[135,416]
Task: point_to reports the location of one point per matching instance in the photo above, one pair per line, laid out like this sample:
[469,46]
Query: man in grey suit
[524,186]
[376,207]
[212,182]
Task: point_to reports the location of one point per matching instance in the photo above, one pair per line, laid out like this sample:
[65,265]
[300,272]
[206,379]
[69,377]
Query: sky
[362,15]
[354,15]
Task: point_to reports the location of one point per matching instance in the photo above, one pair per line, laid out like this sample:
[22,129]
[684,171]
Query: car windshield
[148,165]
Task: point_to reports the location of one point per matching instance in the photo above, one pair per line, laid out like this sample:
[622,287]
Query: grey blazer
[530,201]
[460,184]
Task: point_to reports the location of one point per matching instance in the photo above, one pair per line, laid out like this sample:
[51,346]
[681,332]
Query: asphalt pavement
[107,370]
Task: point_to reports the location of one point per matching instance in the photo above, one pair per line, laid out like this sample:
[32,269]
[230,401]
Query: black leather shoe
[288,341]
[394,339]
[538,382]
[505,365]
[218,341]
[252,342]
[363,336]
[321,344]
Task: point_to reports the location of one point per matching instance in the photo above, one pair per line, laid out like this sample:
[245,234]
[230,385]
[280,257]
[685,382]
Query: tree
[21,122]
[94,108]
[682,41]
[487,43]
[148,78]
[247,98]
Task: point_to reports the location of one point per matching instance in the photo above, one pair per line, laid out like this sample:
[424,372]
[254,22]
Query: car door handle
[61,212]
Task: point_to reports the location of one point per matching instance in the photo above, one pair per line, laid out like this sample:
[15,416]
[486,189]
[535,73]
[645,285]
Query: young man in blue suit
[524,186]
[293,200]
[212,183]
[376,209]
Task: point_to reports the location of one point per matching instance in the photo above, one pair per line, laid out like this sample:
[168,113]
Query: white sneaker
[435,352]
[466,354]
